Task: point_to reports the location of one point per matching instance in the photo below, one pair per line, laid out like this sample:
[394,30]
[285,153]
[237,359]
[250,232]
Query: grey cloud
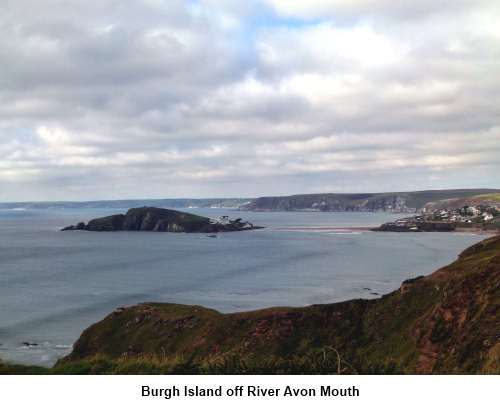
[351,10]
[171,98]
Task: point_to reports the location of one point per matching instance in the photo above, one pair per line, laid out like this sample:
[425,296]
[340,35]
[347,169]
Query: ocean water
[55,284]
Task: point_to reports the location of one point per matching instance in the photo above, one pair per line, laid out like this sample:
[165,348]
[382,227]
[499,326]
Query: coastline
[426,326]
[319,253]
[323,229]
[363,229]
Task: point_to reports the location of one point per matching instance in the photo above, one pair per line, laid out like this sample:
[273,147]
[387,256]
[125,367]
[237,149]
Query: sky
[204,98]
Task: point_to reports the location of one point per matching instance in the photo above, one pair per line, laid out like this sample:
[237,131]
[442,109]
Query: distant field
[491,197]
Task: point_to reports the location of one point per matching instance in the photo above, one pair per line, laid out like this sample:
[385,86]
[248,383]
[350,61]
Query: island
[153,219]
[444,323]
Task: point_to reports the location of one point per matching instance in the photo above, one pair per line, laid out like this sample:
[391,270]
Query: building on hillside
[487,216]
[473,211]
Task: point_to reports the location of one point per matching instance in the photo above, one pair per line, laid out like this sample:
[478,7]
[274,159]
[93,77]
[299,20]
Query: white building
[473,211]
[224,220]
[487,216]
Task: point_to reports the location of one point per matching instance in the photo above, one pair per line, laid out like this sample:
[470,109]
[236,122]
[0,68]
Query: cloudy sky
[168,98]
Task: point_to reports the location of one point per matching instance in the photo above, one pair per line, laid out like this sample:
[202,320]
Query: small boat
[30,344]
[211,236]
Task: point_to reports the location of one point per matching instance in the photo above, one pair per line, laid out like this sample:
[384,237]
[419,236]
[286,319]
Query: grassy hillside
[492,199]
[396,201]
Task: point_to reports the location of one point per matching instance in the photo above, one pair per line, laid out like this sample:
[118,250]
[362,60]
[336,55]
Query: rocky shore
[411,226]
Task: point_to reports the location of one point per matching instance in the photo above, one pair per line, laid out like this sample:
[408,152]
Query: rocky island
[161,220]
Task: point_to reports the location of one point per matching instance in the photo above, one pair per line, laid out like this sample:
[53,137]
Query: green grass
[15,369]
[447,322]
[490,197]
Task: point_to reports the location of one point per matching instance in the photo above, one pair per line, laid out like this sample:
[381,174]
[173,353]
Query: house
[473,211]
[224,220]
[487,216]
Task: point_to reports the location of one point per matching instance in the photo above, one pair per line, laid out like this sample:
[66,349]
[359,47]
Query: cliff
[448,322]
[392,202]
[158,220]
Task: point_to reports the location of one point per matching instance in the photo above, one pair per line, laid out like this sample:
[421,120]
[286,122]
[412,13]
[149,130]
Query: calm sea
[55,284]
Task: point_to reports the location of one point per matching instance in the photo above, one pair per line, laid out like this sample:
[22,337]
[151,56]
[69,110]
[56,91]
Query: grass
[15,369]
[490,197]
[324,361]
[447,322]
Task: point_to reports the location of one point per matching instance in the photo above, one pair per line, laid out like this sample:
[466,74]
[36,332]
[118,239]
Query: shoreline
[350,229]
[323,229]
[342,232]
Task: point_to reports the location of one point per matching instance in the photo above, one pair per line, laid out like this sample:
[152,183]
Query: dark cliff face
[146,219]
[106,224]
[448,322]
[162,220]
[333,202]
[158,220]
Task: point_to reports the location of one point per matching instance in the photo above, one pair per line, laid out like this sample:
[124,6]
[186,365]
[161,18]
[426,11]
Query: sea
[53,284]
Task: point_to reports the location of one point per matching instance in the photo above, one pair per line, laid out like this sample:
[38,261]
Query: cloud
[402,9]
[222,98]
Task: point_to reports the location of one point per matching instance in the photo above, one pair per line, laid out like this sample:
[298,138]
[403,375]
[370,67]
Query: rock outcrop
[417,227]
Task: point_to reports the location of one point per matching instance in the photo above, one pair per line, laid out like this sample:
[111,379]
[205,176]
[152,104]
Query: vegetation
[490,197]
[15,369]
[448,322]
[486,199]
[394,202]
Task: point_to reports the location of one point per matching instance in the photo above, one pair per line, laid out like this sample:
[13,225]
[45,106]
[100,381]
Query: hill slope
[448,322]
[457,203]
[393,202]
